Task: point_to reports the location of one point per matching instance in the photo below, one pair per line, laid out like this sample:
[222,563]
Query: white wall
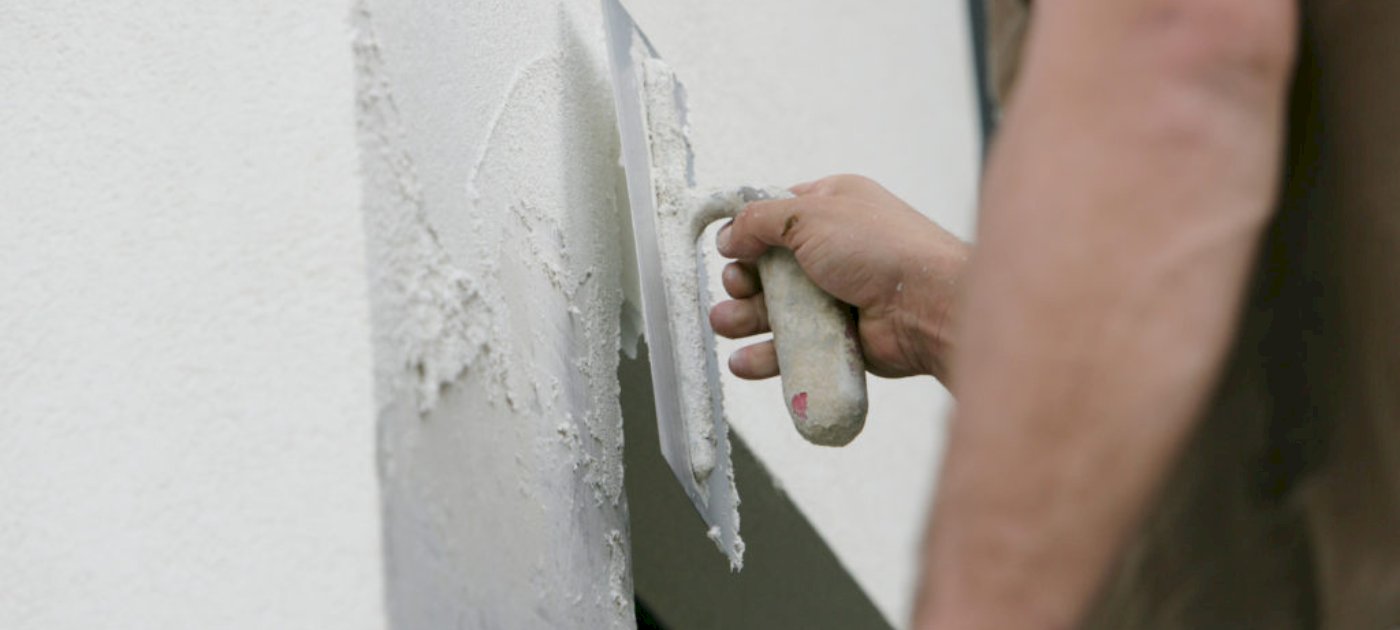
[186,412]
[240,239]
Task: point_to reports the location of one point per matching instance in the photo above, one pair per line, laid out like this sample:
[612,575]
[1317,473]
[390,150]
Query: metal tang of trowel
[823,374]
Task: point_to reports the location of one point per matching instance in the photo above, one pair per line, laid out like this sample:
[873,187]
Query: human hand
[863,245]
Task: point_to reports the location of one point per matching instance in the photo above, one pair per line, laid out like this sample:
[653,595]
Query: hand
[863,245]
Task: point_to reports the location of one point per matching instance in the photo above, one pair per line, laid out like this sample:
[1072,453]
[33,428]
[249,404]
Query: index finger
[770,223]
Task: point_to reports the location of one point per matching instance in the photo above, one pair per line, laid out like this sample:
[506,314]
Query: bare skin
[1123,202]
[829,227]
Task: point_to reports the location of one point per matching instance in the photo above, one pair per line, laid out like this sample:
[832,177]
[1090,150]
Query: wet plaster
[497,295]
[498,270]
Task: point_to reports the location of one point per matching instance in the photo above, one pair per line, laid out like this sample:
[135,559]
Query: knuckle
[847,181]
[721,320]
[828,185]
[790,224]
[746,320]
[746,217]
[809,208]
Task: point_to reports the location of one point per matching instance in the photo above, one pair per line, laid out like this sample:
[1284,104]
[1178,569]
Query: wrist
[927,306]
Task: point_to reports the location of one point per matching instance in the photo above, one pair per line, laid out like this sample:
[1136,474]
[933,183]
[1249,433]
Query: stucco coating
[312,311]
[187,435]
[491,198]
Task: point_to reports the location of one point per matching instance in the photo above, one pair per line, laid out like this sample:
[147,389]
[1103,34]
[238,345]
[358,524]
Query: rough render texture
[195,199]
[494,229]
[494,138]
[188,433]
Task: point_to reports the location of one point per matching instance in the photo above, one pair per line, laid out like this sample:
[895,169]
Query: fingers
[758,361]
[740,318]
[740,280]
[763,224]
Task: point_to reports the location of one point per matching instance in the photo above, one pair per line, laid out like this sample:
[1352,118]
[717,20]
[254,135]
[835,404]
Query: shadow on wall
[790,578]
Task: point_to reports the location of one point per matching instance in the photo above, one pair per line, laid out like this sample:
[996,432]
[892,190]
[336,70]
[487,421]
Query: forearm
[1132,178]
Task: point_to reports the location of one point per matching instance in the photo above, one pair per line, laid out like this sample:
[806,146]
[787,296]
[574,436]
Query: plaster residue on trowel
[677,207]
[675,201]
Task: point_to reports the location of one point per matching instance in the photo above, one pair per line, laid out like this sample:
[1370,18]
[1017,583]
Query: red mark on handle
[799,405]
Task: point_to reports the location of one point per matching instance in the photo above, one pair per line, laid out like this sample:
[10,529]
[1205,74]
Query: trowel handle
[819,354]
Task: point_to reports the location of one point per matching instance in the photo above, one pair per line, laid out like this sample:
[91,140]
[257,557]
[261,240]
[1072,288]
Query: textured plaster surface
[782,91]
[187,434]
[254,250]
[490,197]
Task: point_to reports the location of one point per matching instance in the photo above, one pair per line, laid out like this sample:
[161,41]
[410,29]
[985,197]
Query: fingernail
[722,239]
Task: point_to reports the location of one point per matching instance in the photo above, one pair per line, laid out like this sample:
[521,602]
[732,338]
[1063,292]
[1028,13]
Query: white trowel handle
[819,353]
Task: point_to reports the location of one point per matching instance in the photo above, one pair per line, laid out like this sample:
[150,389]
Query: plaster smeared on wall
[497,289]
[433,319]
[532,235]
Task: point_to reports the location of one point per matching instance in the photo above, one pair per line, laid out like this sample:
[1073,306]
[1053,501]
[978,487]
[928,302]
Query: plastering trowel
[818,353]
